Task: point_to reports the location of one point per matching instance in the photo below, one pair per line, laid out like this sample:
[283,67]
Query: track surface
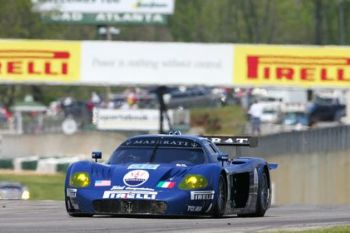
[50,216]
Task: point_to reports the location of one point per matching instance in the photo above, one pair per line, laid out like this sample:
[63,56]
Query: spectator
[255,112]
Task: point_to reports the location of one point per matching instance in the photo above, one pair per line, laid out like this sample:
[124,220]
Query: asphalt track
[50,216]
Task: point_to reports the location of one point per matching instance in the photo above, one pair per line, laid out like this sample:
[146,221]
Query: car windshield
[10,187]
[189,156]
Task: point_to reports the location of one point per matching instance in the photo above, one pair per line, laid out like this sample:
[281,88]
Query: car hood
[141,175]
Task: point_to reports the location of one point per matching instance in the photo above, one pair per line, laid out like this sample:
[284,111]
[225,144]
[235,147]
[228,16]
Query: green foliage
[41,187]
[228,120]
[256,21]
[17,20]
[239,21]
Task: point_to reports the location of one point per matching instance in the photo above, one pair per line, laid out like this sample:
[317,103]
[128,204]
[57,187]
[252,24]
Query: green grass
[228,120]
[338,229]
[41,187]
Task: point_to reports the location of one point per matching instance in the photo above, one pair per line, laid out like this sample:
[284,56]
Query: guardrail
[324,140]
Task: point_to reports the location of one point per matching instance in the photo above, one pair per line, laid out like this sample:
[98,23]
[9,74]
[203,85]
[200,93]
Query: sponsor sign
[125,194]
[192,208]
[100,183]
[144,63]
[166,184]
[130,119]
[119,187]
[202,195]
[234,141]
[39,61]
[136,119]
[143,166]
[171,142]
[135,178]
[292,66]
[181,165]
[71,192]
[104,18]
[105,12]
[110,6]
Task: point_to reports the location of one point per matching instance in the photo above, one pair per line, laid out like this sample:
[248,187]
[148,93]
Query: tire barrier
[38,164]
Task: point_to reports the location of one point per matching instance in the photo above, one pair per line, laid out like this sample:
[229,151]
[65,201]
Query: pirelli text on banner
[292,66]
[39,61]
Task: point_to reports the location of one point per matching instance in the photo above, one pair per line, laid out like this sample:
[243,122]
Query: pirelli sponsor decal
[292,66]
[126,194]
[202,195]
[44,61]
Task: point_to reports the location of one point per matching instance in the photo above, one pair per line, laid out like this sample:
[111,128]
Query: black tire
[338,115]
[79,215]
[220,203]
[263,198]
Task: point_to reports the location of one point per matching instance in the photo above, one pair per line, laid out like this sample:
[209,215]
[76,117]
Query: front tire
[79,215]
[220,203]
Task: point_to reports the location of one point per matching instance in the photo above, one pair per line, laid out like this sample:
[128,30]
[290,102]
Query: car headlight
[80,180]
[25,195]
[193,182]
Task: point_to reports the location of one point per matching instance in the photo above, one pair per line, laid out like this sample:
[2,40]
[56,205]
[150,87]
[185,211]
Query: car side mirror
[96,155]
[223,158]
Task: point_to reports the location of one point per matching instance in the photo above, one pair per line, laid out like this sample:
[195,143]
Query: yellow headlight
[80,180]
[193,182]
[25,195]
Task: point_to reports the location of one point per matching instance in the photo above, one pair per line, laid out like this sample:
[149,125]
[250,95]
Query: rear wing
[233,141]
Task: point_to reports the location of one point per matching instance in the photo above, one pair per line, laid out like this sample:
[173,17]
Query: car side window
[213,152]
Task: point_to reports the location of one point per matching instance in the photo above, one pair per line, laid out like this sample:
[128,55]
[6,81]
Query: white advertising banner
[138,119]
[110,6]
[142,63]
[129,119]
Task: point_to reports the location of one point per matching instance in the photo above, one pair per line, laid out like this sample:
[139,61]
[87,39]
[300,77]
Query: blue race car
[170,175]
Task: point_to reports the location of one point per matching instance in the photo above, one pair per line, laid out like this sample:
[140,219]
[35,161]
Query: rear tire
[220,203]
[263,198]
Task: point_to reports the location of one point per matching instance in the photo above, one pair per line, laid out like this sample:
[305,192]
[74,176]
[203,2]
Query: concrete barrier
[318,178]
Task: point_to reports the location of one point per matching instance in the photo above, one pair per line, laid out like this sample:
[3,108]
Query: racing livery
[170,175]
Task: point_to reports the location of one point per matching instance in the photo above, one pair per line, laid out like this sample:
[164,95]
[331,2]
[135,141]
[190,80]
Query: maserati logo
[135,178]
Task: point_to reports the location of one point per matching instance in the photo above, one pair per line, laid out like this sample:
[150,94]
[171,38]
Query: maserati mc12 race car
[170,175]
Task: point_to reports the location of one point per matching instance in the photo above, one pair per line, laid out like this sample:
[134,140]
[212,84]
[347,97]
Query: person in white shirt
[255,112]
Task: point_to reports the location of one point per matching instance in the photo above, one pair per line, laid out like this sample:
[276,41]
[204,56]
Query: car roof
[194,138]
[9,183]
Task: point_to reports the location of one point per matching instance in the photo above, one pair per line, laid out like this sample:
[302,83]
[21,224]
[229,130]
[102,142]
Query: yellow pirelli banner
[291,66]
[39,61]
